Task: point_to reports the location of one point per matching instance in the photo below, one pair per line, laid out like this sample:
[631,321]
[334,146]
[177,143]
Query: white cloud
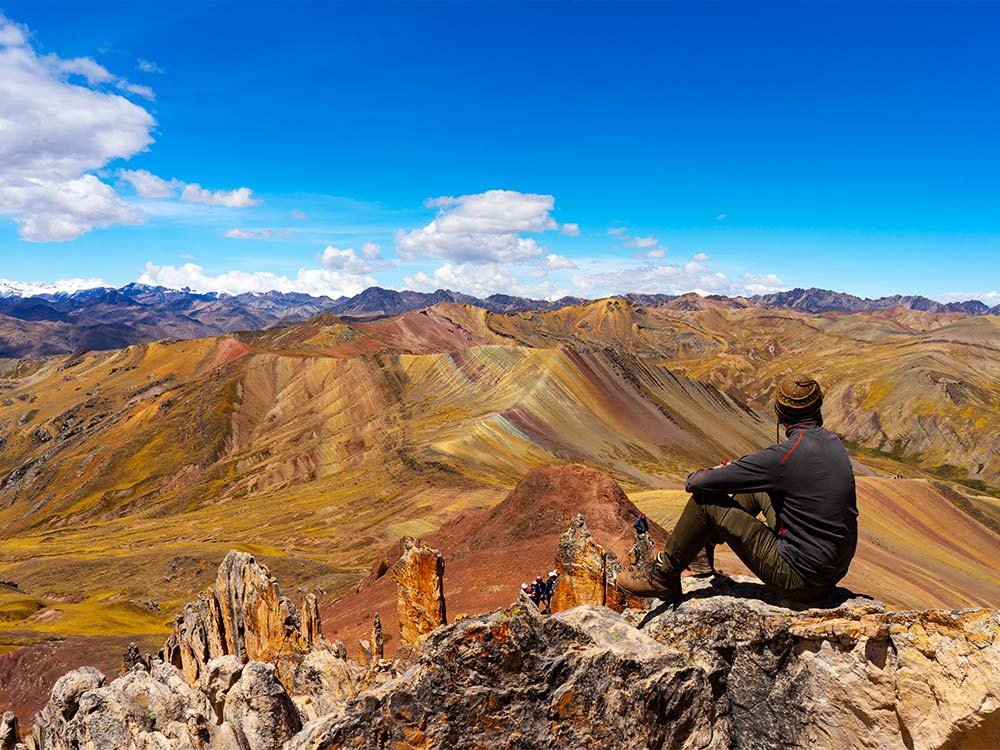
[346,260]
[60,210]
[664,278]
[296,214]
[481,228]
[371,251]
[754,283]
[555,262]
[239,198]
[315,281]
[134,88]
[480,280]
[656,252]
[258,234]
[720,217]
[617,231]
[571,230]
[148,185]
[642,242]
[146,66]
[989,298]
[53,133]
[701,257]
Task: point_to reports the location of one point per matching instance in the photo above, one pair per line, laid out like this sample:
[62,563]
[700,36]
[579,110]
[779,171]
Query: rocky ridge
[729,667]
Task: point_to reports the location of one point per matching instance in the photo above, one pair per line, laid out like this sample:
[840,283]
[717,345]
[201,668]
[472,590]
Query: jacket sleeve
[758,472]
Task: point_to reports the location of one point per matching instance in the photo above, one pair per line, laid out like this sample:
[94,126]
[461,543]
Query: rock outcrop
[9,733]
[419,577]
[730,666]
[242,671]
[727,668]
[586,572]
[244,615]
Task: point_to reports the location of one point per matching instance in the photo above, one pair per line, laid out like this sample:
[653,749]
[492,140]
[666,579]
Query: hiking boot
[654,584]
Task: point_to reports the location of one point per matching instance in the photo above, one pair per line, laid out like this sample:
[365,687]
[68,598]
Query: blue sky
[539,149]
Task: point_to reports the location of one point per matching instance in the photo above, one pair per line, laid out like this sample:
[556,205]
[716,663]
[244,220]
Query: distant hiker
[641,525]
[804,486]
[539,586]
[550,589]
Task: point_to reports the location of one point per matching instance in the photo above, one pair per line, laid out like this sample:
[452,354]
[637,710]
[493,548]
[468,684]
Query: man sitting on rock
[803,486]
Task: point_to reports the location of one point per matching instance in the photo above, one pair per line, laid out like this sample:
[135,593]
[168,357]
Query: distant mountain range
[35,321]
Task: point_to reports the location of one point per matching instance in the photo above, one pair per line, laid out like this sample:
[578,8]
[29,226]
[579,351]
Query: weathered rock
[730,667]
[243,615]
[8,731]
[220,675]
[580,564]
[323,681]
[312,632]
[142,710]
[419,577]
[259,710]
[340,649]
[378,639]
[133,658]
[365,654]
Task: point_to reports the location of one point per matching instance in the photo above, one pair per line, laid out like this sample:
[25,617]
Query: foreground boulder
[727,668]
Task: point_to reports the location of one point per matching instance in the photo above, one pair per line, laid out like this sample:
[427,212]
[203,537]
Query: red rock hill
[488,554]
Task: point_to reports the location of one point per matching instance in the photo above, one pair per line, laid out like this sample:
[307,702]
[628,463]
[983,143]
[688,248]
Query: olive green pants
[717,518]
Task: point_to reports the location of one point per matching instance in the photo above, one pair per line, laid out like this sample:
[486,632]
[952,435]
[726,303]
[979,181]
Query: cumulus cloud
[649,246]
[553,262]
[666,278]
[315,281]
[148,185]
[481,280]
[56,127]
[989,298]
[258,234]
[347,260]
[571,230]
[239,198]
[481,228]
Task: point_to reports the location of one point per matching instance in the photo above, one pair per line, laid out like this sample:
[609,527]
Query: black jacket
[811,484]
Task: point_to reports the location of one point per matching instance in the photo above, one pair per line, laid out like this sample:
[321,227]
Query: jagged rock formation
[8,731]
[729,667]
[720,671]
[587,571]
[243,670]
[244,615]
[419,576]
[580,563]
